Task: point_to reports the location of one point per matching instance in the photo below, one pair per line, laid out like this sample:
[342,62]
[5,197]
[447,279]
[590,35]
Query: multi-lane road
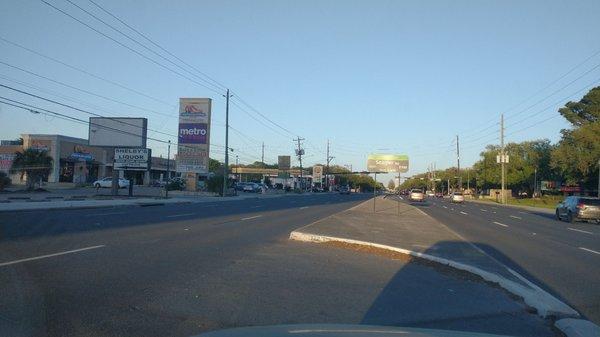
[563,258]
[177,270]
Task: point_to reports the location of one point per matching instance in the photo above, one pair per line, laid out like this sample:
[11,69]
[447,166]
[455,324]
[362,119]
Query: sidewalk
[105,201]
[414,233]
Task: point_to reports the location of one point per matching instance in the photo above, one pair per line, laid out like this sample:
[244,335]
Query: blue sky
[370,76]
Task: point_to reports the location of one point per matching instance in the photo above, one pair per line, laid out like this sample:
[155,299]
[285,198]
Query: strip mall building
[75,162]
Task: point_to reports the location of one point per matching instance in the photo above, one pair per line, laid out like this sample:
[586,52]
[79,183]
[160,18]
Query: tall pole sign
[193,138]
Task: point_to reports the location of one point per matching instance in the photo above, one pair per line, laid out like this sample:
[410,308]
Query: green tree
[215,166]
[391,185]
[35,165]
[577,153]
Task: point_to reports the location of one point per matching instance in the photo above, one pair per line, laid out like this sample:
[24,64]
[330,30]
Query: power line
[122,86]
[130,49]
[141,44]
[223,87]
[262,115]
[84,91]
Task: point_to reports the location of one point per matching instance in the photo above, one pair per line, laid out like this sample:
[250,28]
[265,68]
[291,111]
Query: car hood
[337,330]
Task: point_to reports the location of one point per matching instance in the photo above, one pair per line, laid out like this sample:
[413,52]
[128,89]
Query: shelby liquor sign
[193,135]
[132,159]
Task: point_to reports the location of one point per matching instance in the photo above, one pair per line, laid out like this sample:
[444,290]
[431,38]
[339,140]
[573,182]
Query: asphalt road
[563,258]
[178,270]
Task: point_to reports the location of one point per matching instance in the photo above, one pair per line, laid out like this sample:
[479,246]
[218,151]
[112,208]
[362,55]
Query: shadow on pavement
[41,223]
[446,298]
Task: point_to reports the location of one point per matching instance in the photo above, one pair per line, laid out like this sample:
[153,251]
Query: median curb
[577,327]
[546,305]
[528,208]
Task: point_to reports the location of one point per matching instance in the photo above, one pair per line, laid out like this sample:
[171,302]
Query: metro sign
[192,133]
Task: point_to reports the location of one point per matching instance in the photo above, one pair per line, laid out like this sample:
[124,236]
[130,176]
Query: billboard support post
[115,180]
[375,192]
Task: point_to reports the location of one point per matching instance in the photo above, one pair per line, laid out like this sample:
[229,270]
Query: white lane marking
[304,207]
[483,210]
[400,197]
[533,233]
[186,229]
[50,255]
[451,209]
[522,212]
[494,212]
[516,217]
[445,207]
[257,206]
[178,215]
[579,230]
[251,217]
[108,213]
[465,213]
[500,224]
[589,250]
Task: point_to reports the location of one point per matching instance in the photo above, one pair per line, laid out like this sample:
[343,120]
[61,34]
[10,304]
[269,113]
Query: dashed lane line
[579,230]
[304,207]
[251,217]
[589,250]
[465,213]
[49,255]
[500,224]
[516,217]
[179,215]
[483,210]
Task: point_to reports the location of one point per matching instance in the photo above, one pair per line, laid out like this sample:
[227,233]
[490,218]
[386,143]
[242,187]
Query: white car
[107,183]
[457,197]
[416,195]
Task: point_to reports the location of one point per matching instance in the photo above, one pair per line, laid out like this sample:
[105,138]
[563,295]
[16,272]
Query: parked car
[344,190]
[416,195]
[252,188]
[106,182]
[457,197]
[578,208]
[239,186]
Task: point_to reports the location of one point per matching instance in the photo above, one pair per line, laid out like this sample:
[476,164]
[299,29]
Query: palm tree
[33,163]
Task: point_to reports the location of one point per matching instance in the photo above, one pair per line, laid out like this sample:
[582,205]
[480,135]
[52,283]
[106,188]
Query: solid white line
[251,217]
[579,230]
[501,224]
[112,213]
[49,255]
[483,210]
[178,215]
[465,213]
[304,207]
[516,217]
[589,250]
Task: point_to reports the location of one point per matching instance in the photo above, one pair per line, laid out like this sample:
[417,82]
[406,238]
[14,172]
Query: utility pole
[299,154]
[535,183]
[168,169]
[598,178]
[502,159]
[329,158]
[226,167]
[262,158]
[468,179]
[458,165]
[237,168]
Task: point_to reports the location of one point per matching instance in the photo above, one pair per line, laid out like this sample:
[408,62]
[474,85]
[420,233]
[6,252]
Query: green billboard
[397,163]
